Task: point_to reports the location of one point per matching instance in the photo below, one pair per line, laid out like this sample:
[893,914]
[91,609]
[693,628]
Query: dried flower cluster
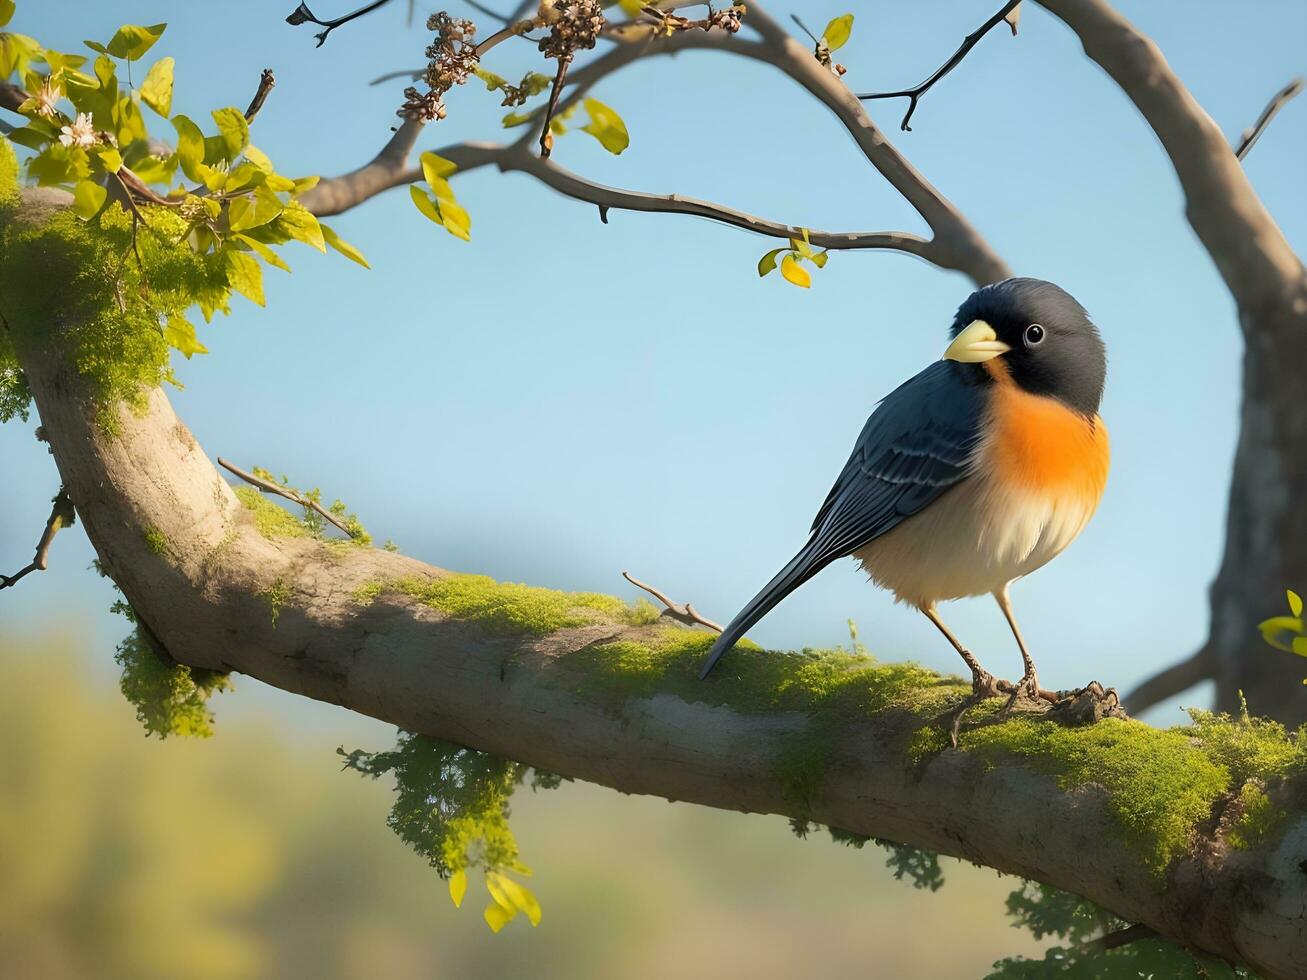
[666,23]
[453,59]
[573,26]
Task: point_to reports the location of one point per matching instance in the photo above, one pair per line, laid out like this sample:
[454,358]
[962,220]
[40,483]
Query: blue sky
[560,399]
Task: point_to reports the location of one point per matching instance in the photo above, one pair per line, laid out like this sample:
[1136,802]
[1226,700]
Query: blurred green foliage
[1287,633]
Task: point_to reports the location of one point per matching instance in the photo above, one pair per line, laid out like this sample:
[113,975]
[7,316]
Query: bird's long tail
[800,568]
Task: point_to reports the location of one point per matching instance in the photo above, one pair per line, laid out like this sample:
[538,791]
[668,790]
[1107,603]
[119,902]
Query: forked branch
[62,515]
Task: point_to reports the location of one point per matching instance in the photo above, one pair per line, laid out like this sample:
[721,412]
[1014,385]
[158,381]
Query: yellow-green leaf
[1295,602]
[132,41]
[156,90]
[190,147]
[837,32]
[343,247]
[435,167]
[767,263]
[88,198]
[425,204]
[1300,645]
[298,223]
[497,916]
[180,334]
[1277,626]
[304,184]
[254,209]
[110,158]
[456,220]
[458,888]
[606,126]
[245,276]
[233,130]
[819,258]
[795,273]
[264,251]
[518,896]
[6,11]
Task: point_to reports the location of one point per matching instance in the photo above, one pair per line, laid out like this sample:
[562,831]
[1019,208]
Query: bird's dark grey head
[1052,347]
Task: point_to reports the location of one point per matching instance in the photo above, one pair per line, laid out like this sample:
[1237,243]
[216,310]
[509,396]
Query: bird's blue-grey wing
[918,443]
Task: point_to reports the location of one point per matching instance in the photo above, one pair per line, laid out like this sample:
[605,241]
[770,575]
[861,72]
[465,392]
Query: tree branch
[913,95]
[1173,680]
[62,515]
[1257,264]
[1278,101]
[955,243]
[303,15]
[366,629]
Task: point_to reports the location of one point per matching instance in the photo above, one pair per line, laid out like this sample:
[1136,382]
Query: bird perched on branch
[977,471]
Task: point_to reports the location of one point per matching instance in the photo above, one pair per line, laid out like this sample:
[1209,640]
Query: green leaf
[435,167]
[156,90]
[233,131]
[343,247]
[767,263]
[519,118]
[819,258]
[6,11]
[245,276]
[180,335]
[190,147]
[795,273]
[132,41]
[1300,645]
[1295,602]
[493,84]
[297,223]
[88,198]
[156,170]
[458,887]
[30,137]
[253,209]
[606,126]
[264,251]
[1276,627]
[837,32]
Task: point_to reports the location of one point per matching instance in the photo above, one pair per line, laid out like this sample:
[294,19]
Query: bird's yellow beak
[978,342]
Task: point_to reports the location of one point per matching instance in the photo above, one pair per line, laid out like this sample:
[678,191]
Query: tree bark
[204,595]
[1266,525]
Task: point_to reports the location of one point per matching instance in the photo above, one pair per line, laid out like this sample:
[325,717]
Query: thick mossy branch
[512,609]
[1161,785]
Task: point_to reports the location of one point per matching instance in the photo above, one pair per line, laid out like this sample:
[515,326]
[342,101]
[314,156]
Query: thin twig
[266,82]
[1281,98]
[303,15]
[913,95]
[288,492]
[546,137]
[62,515]
[686,614]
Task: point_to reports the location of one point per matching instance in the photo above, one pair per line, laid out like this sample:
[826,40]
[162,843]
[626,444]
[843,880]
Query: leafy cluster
[1046,911]
[452,807]
[792,257]
[170,698]
[120,275]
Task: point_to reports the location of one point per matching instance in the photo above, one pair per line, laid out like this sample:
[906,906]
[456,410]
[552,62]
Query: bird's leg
[983,684]
[1028,686]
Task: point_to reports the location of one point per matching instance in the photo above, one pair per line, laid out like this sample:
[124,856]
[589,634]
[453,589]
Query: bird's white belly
[973,540]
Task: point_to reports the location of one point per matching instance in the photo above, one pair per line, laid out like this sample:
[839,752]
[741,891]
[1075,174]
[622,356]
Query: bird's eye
[1034,335]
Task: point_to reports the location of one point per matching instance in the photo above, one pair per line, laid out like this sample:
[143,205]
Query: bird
[972,474]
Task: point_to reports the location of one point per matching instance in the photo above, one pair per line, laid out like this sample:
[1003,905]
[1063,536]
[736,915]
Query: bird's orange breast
[1038,444]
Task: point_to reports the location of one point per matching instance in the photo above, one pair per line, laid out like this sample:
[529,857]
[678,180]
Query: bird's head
[1035,334]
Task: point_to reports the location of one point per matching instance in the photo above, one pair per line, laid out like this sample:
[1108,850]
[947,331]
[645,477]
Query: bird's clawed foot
[1092,703]
[983,685]
[1028,690]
